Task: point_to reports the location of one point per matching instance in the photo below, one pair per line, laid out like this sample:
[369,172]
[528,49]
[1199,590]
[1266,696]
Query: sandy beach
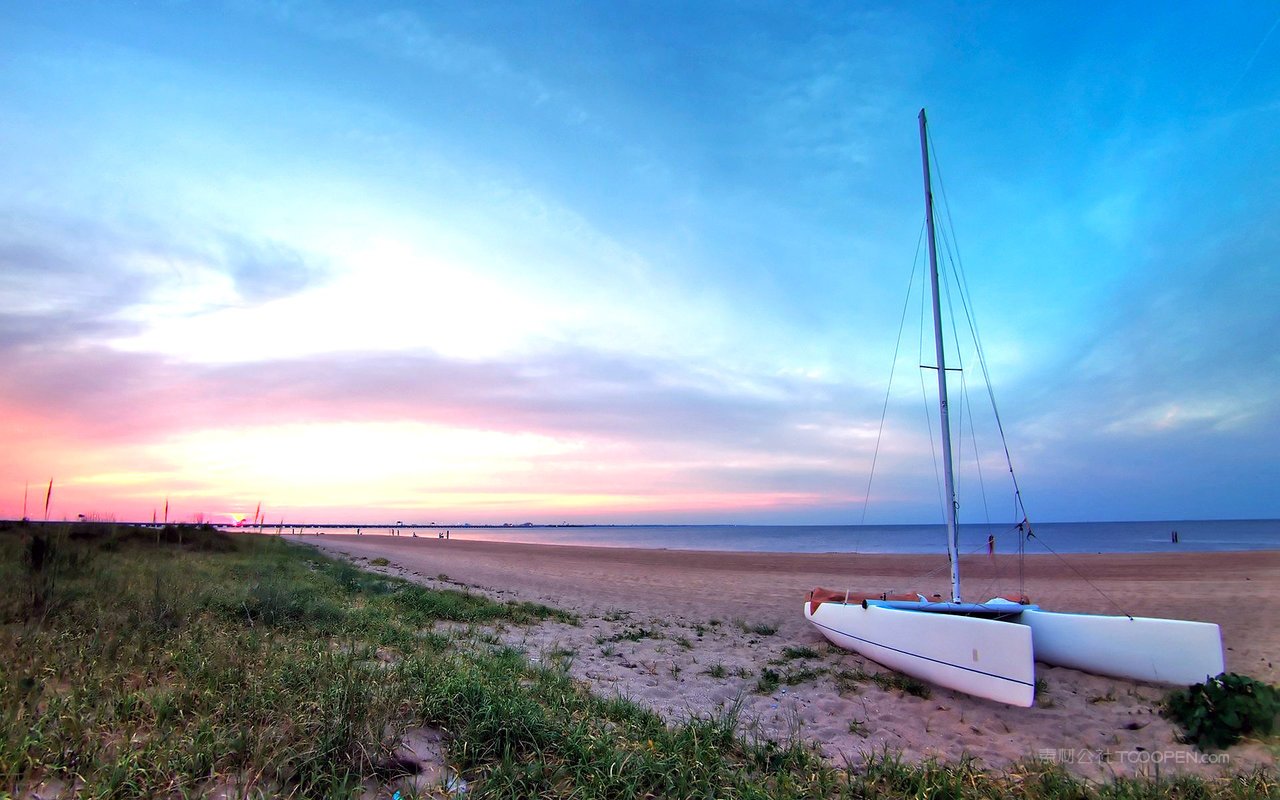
[689,633]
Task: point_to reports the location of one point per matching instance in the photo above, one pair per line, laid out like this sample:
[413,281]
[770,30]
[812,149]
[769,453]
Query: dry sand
[670,630]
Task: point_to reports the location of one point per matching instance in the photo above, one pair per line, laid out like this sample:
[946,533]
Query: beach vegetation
[768,681]
[379,562]
[154,663]
[716,670]
[800,651]
[851,680]
[758,628]
[1218,712]
[632,634]
[1109,697]
[562,658]
[803,675]
[186,667]
[1041,694]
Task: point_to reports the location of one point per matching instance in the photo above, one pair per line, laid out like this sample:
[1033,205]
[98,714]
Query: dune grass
[138,666]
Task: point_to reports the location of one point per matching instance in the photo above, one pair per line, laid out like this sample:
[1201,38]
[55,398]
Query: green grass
[758,628]
[145,668]
[770,679]
[634,634]
[148,668]
[796,652]
[850,680]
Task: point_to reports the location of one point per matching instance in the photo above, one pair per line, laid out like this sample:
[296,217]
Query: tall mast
[949,480]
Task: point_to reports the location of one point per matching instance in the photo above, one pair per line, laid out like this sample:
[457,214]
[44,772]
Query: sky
[634,262]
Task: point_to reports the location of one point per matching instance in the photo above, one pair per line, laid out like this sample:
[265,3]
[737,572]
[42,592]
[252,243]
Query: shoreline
[692,632]
[613,548]
[915,539]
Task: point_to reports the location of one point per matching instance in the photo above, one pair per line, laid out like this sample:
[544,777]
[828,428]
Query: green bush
[1219,711]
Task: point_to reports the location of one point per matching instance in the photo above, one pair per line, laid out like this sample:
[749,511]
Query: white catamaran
[989,649]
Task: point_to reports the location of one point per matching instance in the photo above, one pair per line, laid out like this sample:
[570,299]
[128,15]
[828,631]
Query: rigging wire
[977,455]
[875,455]
[1079,574]
[933,450]
[1024,527]
[928,411]
[971,317]
[948,240]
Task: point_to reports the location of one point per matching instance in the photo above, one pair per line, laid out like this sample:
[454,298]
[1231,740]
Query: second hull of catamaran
[990,649]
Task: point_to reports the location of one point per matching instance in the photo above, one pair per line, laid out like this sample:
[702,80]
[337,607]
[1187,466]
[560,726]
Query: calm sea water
[1062,537]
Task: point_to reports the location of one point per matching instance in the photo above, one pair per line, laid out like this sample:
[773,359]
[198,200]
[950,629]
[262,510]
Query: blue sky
[629,262]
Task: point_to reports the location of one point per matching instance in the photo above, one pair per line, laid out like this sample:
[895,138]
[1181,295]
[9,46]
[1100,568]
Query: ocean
[1061,537]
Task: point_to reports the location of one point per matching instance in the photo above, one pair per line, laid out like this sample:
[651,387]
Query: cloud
[631,432]
[563,393]
[266,270]
[63,266]
[1173,406]
[69,278]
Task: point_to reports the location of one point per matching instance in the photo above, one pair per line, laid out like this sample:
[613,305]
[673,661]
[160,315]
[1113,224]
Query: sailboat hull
[977,656]
[1139,648]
